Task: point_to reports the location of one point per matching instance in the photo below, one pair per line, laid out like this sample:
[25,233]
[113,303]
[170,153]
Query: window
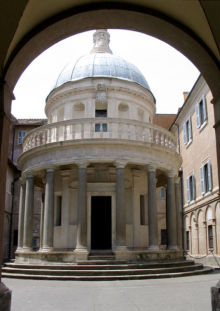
[101,113]
[163,237]
[206,178]
[201,115]
[187,240]
[58,214]
[101,127]
[210,236]
[21,135]
[162,193]
[142,210]
[190,188]
[187,131]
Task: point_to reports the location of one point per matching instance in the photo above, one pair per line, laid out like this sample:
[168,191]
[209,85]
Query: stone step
[103,265]
[95,271]
[106,277]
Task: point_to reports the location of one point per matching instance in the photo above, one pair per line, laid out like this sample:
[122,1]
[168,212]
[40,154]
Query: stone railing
[99,128]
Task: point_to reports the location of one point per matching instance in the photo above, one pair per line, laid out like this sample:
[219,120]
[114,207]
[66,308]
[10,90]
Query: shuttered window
[21,135]
[190,188]
[201,113]
[187,131]
[206,178]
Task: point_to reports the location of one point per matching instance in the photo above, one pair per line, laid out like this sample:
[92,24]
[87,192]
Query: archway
[103,15]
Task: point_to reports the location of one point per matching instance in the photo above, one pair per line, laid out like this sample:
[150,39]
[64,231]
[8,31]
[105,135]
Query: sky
[166,70]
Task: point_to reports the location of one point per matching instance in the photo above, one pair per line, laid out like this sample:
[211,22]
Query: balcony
[100,128]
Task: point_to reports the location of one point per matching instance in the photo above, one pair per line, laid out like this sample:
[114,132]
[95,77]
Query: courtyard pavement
[174,294]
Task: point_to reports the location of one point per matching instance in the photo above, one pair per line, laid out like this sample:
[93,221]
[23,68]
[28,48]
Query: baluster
[73,131]
[166,141]
[82,130]
[48,135]
[157,138]
[162,139]
[91,129]
[44,137]
[38,139]
[65,133]
[119,130]
[151,135]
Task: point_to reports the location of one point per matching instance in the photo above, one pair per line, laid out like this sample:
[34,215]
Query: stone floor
[174,294]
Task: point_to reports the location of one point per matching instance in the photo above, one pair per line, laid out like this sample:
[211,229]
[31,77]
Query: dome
[101,63]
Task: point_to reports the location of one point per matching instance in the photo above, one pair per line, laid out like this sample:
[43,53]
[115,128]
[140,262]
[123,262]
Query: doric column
[65,206]
[21,216]
[152,209]
[120,206]
[81,243]
[48,226]
[28,214]
[171,213]
[178,213]
[42,219]
[196,238]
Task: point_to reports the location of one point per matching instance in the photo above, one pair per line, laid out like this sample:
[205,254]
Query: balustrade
[102,128]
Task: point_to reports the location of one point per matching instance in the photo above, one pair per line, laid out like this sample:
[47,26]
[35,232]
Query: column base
[173,247]
[46,249]
[19,250]
[121,253]
[153,248]
[81,254]
[5,298]
[27,249]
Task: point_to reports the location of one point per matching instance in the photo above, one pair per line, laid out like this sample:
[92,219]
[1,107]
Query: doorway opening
[101,222]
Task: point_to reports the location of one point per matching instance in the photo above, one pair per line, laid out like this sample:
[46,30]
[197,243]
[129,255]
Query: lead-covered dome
[101,63]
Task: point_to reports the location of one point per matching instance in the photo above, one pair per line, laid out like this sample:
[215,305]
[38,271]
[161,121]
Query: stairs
[104,268]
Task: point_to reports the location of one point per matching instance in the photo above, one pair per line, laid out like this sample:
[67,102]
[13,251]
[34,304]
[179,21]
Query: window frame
[206,177]
[190,188]
[21,135]
[187,131]
[201,112]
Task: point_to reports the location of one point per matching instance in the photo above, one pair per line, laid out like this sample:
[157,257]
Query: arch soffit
[132,18]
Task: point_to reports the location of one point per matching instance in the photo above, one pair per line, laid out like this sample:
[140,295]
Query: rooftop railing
[99,128]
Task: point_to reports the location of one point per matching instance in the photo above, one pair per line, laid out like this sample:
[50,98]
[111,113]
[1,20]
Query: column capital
[151,168]
[29,174]
[120,164]
[171,174]
[83,164]
[50,170]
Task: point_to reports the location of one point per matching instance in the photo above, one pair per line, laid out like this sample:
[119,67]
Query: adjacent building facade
[200,186]
[19,128]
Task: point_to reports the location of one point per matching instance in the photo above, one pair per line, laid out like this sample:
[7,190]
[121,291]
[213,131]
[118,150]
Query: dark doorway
[101,223]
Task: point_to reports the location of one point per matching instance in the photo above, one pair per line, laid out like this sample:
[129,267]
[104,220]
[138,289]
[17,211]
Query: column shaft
[21,216]
[178,214]
[82,209]
[28,214]
[152,210]
[120,208]
[48,227]
[42,220]
[171,214]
